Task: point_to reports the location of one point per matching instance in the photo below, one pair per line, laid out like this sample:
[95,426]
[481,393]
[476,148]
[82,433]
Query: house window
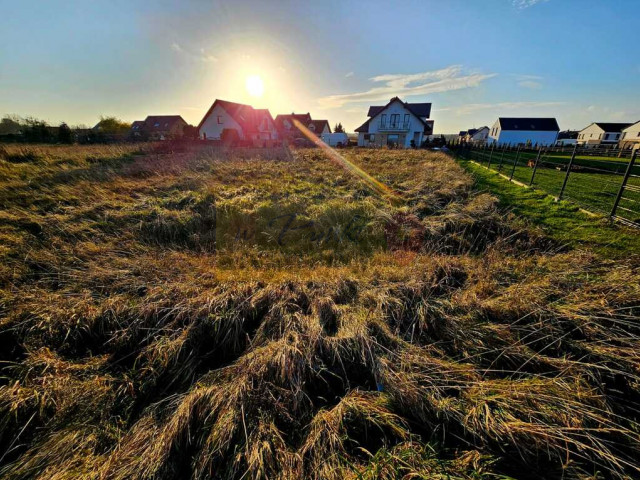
[383,119]
[406,119]
[372,137]
[220,120]
[157,124]
[395,119]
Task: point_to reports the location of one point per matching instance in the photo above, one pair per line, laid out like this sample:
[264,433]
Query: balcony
[393,126]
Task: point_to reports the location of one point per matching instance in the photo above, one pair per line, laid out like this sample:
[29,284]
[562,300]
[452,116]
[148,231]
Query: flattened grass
[156,322]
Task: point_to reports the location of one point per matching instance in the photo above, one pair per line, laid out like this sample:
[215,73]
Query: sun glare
[254,85]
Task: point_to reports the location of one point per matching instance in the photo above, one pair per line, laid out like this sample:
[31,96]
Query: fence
[604,180]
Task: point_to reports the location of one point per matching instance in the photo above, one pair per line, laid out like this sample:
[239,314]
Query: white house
[599,133]
[396,124]
[319,127]
[250,124]
[474,135]
[525,131]
[631,136]
[567,138]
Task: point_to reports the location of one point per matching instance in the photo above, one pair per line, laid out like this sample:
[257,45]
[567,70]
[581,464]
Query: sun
[254,85]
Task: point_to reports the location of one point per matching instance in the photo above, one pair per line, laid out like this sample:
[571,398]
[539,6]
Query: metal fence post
[566,177]
[493,145]
[535,166]
[624,183]
[515,162]
[502,157]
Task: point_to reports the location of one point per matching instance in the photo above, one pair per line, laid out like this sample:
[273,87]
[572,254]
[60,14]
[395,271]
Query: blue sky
[474,60]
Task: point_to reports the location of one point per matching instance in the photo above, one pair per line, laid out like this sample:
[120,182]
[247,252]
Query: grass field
[202,313]
[593,182]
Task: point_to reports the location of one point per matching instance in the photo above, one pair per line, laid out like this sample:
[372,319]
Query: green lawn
[561,220]
[594,187]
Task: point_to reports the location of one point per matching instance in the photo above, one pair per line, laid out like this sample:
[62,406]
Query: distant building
[567,137]
[398,124]
[286,126]
[599,133]
[631,136]
[319,127]
[524,131]
[474,135]
[240,121]
[159,127]
[288,130]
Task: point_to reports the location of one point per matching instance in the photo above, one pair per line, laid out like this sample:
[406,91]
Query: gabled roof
[319,125]
[568,135]
[364,128]
[161,123]
[137,125]
[246,116]
[612,127]
[304,118]
[527,124]
[418,109]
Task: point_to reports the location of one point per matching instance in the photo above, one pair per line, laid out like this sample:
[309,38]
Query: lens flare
[379,187]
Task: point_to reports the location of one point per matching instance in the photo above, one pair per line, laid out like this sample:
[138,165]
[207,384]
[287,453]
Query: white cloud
[533,82]
[405,85]
[350,74]
[522,4]
[201,55]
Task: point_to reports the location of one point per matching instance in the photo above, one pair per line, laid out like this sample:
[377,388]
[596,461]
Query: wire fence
[603,180]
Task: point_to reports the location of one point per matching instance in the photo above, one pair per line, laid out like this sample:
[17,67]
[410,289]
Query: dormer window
[157,124]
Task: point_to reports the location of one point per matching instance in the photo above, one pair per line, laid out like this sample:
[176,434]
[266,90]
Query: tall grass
[156,322]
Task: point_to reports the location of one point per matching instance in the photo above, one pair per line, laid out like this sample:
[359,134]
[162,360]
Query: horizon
[474,63]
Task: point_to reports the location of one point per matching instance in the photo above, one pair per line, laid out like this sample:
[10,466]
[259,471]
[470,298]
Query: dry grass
[160,319]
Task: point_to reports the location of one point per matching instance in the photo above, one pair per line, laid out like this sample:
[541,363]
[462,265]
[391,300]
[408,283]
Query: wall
[493,137]
[213,129]
[632,136]
[415,125]
[515,137]
[591,134]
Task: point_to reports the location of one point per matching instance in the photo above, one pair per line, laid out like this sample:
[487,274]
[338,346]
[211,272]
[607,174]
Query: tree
[190,132]
[64,133]
[338,128]
[10,125]
[36,131]
[112,126]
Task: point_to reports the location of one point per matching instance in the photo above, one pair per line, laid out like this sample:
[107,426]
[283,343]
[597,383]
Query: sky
[75,61]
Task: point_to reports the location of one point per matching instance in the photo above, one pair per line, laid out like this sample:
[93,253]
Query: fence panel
[597,179]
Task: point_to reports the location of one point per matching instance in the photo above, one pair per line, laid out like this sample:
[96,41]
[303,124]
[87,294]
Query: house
[567,137]
[631,136]
[599,133]
[319,127]
[397,123]
[474,135]
[245,123]
[159,127]
[524,131]
[286,127]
